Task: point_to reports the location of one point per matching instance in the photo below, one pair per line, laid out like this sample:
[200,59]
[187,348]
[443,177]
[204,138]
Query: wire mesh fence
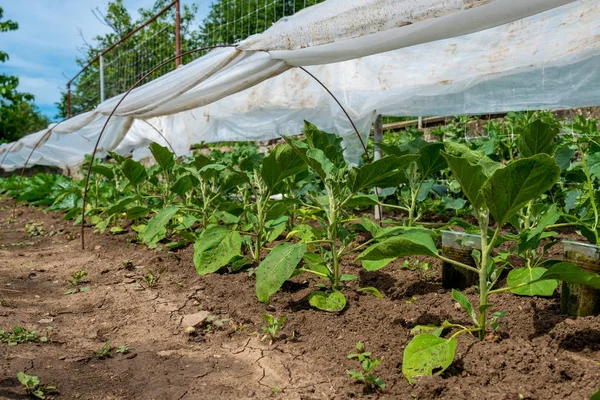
[120,66]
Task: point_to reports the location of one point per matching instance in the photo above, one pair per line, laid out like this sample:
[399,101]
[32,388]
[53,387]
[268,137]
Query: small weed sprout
[272,327]
[422,268]
[35,229]
[151,278]
[32,386]
[104,352]
[123,349]
[78,277]
[370,381]
[128,265]
[20,335]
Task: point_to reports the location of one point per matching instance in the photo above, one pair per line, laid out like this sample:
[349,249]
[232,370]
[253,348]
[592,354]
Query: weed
[104,352]
[422,268]
[370,381]
[123,349]
[272,328]
[78,277]
[19,335]
[32,386]
[35,229]
[128,265]
[213,322]
[151,278]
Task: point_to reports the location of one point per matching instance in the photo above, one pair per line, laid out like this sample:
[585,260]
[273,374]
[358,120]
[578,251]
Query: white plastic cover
[549,59]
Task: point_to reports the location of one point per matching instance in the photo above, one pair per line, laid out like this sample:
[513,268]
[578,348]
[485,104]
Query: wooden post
[69,100]
[178,33]
[378,153]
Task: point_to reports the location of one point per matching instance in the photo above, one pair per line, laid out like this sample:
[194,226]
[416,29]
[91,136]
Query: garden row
[497,202]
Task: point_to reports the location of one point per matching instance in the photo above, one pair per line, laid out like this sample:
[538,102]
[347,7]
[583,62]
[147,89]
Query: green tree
[129,61]
[18,113]
[230,21]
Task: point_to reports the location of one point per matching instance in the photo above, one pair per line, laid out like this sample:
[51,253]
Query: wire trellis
[228,22]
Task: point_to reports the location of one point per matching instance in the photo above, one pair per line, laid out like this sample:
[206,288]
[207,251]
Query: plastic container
[580,300]
[459,246]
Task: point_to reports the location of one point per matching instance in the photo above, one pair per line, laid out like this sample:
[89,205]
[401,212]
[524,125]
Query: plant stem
[458,264]
[591,192]
[562,225]
[483,281]
[466,330]
[260,227]
[314,272]
[332,235]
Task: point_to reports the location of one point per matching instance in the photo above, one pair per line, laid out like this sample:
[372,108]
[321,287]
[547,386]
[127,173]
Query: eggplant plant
[419,174]
[322,153]
[494,192]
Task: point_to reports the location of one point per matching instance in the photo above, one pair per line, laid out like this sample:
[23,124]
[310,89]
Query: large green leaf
[464,302]
[281,163]
[319,162]
[314,158]
[120,205]
[277,268]
[549,217]
[134,171]
[183,184]
[476,157]
[215,248]
[330,302]
[431,159]
[570,273]
[104,171]
[409,244]
[426,353]
[510,188]
[156,229]
[392,150]
[329,143]
[163,156]
[379,172]
[470,176]
[563,157]
[536,137]
[537,288]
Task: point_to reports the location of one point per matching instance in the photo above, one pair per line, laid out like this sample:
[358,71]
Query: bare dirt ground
[537,354]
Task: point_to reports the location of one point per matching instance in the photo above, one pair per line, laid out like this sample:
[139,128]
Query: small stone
[570,321]
[46,320]
[128,281]
[62,357]
[192,320]
[457,306]
[97,247]
[271,308]
[190,330]
[129,275]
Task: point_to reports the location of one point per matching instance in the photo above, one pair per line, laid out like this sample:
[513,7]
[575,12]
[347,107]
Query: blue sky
[43,51]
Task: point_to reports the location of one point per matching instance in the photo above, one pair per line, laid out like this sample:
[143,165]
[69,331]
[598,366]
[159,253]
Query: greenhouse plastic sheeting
[549,59]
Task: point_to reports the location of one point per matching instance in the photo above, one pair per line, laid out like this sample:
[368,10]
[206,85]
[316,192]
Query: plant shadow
[419,288]
[6,385]
[545,319]
[379,280]
[581,340]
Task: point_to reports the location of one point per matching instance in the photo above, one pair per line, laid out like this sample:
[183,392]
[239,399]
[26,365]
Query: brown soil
[537,354]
